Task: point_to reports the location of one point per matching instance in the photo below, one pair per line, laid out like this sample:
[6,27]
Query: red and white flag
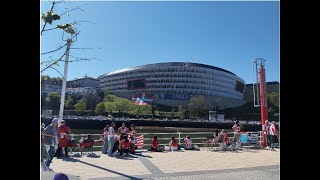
[140,143]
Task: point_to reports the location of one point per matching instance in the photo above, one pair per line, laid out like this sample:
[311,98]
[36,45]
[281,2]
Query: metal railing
[198,138]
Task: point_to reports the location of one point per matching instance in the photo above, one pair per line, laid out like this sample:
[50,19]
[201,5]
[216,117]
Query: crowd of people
[55,142]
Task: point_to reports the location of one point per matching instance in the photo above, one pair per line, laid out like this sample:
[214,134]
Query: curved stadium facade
[175,83]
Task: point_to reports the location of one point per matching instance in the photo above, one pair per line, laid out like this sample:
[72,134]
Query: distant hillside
[249,112]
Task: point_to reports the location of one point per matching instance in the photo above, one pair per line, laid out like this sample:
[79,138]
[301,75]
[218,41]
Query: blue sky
[228,35]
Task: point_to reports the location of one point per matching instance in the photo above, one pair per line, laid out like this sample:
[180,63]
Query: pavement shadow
[70,159]
[141,155]
[93,155]
[130,157]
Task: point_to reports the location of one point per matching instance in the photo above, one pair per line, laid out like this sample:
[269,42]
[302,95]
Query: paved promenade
[244,164]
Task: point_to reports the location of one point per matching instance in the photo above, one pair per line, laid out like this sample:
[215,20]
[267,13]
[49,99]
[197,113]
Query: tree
[92,101]
[181,112]
[80,107]
[69,104]
[109,107]
[109,98]
[273,98]
[100,108]
[197,106]
[122,105]
[53,100]
[141,110]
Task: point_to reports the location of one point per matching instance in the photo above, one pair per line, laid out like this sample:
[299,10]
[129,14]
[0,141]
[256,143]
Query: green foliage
[141,110]
[273,98]
[100,108]
[64,26]
[81,106]
[53,100]
[181,112]
[109,106]
[122,105]
[50,16]
[92,101]
[69,104]
[197,106]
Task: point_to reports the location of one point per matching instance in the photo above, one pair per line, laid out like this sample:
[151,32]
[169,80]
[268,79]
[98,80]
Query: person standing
[266,132]
[111,138]
[105,139]
[123,130]
[51,136]
[236,127]
[132,138]
[63,145]
[273,134]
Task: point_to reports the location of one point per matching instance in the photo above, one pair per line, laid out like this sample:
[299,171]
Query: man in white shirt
[273,134]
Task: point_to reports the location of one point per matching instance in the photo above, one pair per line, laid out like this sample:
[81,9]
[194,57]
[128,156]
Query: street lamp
[71,31]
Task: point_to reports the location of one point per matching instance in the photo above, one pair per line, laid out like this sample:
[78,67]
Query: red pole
[263,100]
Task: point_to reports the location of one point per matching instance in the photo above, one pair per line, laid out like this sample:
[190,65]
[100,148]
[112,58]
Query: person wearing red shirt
[63,144]
[173,144]
[154,144]
[125,146]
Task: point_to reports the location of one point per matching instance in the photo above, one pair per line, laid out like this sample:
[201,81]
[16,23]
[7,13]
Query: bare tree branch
[78,22]
[60,57]
[73,9]
[55,49]
[49,29]
[83,59]
[82,48]
[58,72]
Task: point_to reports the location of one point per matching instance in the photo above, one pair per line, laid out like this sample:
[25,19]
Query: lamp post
[70,31]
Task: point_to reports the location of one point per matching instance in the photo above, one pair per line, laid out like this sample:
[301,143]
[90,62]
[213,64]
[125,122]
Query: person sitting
[216,135]
[125,146]
[88,143]
[188,144]
[173,144]
[155,145]
[225,139]
[116,145]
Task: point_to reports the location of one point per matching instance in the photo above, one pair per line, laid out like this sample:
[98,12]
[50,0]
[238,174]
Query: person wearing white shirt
[111,138]
[273,134]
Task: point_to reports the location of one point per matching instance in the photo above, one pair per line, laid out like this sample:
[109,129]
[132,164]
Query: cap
[55,120]
[60,176]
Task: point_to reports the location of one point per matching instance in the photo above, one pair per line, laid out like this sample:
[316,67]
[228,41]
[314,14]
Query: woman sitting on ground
[225,139]
[155,145]
[216,135]
[125,146]
[188,144]
[173,144]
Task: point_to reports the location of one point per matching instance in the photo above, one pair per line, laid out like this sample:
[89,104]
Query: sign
[175,96]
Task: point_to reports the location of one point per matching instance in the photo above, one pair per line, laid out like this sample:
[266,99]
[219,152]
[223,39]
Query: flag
[142,98]
[139,141]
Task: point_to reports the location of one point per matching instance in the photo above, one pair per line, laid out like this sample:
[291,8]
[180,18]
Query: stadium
[175,83]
